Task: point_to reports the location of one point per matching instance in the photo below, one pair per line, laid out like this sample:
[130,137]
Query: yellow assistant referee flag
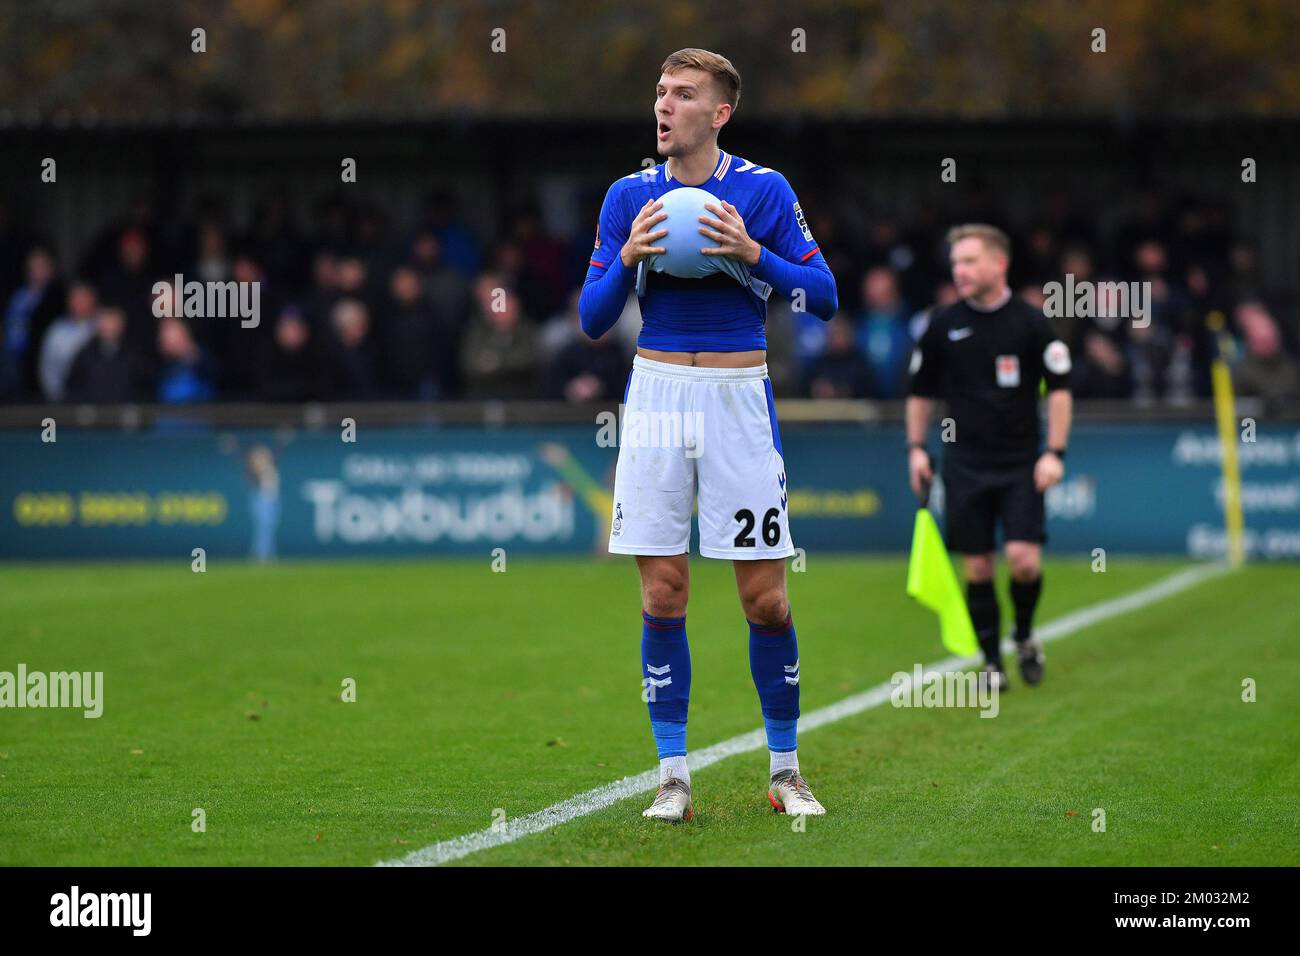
[932,581]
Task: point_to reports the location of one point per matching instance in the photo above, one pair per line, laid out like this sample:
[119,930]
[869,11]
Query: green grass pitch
[482,693]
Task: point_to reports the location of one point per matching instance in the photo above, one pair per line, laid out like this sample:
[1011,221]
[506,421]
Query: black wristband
[1058,452]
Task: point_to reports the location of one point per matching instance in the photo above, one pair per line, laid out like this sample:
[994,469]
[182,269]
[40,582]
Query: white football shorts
[682,424]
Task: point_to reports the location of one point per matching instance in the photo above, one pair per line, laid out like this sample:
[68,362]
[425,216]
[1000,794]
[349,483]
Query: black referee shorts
[979,493]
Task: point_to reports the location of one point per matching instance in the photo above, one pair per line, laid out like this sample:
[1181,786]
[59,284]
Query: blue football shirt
[722,317]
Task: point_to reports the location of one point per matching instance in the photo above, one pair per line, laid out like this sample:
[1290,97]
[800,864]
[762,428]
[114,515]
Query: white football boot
[672,803]
[789,793]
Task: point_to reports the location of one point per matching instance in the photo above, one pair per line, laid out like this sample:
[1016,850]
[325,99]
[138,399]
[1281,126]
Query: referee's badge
[1008,367]
[1056,357]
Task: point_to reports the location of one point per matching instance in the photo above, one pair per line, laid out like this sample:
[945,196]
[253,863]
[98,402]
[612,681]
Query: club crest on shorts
[617,527]
[1008,368]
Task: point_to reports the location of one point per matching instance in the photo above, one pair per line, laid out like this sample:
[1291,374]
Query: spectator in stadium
[289,367]
[212,263]
[500,351]
[1168,303]
[372,245]
[587,370]
[443,286]
[104,251]
[1265,370]
[1244,281]
[810,336]
[107,370]
[274,242]
[841,372]
[351,365]
[887,247]
[128,282]
[65,338]
[30,310]
[441,216]
[1037,265]
[1184,251]
[354,281]
[1101,370]
[559,330]
[1076,261]
[882,332]
[325,290]
[542,270]
[836,244]
[410,339]
[1033,294]
[237,347]
[448,293]
[187,372]
[330,222]
[1122,359]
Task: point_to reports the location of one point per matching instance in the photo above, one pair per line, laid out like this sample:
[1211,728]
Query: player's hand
[1048,471]
[643,236]
[728,231]
[919,470]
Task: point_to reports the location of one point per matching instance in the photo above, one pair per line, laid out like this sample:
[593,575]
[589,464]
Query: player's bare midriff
[748,359]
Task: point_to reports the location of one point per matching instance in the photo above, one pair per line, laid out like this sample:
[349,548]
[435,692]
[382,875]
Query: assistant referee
[986,356]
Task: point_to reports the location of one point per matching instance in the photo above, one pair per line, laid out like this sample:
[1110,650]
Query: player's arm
[813,277]
[1050,467]
[922,387]
[611,270]
[788,260]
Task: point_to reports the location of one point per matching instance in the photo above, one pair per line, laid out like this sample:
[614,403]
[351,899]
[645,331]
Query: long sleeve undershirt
[603,296]
[816,280]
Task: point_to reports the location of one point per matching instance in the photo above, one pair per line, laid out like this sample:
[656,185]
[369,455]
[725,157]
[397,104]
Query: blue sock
[774,663]
[666,680]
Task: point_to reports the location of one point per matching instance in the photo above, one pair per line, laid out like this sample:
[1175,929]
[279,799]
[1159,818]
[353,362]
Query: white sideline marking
[601,797]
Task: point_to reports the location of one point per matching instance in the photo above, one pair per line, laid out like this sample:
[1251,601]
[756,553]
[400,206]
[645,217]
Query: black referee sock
[987,620]
[1024,595]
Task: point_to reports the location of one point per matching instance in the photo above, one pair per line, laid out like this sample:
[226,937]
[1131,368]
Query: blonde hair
[992,236]
[715,64]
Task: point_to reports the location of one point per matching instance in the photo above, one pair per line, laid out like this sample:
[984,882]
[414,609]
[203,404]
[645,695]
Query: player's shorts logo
[617,527]
[1008,367]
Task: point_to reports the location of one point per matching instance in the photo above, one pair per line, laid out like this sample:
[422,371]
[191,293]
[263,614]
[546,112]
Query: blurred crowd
[354,308]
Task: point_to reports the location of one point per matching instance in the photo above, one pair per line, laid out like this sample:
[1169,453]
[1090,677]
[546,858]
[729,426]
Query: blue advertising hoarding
[1153,489]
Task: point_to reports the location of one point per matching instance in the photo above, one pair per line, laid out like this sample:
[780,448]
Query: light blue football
[682,256]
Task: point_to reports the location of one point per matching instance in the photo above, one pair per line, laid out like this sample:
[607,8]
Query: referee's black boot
[1030,654]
